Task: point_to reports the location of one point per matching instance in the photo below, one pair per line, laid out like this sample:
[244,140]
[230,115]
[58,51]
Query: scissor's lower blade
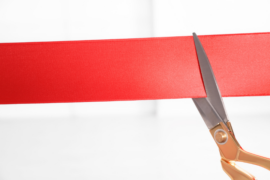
[208,113]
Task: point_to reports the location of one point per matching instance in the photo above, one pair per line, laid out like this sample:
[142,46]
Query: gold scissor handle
[235,172]
[250,158]
[231,151]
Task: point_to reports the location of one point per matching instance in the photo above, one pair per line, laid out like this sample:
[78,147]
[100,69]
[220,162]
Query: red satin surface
[132,69]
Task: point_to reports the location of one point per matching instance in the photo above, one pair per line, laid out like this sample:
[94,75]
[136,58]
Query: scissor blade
[208,113]
[210,84]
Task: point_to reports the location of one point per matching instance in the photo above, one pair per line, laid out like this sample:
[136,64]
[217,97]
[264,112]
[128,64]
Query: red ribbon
[132,69]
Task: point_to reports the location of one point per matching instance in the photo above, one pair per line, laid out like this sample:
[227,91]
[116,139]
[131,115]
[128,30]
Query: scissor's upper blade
[210,84]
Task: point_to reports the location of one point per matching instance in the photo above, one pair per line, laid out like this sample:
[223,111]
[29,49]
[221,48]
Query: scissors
[214,115]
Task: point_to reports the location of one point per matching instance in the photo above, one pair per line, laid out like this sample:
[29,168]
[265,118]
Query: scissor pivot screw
[221,136]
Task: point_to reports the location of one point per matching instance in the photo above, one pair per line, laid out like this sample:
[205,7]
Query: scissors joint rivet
[221,136]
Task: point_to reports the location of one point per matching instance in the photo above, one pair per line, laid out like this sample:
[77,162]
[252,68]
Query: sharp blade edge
[210,84]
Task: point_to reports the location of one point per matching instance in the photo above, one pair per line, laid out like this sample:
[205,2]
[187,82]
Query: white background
[163,139]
